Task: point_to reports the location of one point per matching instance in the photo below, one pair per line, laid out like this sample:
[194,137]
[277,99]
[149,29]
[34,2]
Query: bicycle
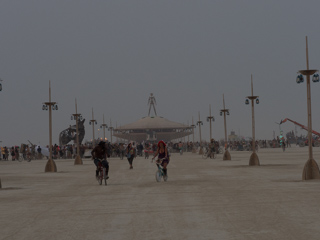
[207,153]
[181,151]
[26,157]
[102,174]
[159,173]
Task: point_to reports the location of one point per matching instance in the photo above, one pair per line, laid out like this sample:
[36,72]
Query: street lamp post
[311,169]
[51,165]
[93,122]
[254,159]
[224,111]
[210,119]
[111,129]
[193,127]
[76,116]
[104,126]
[200,123]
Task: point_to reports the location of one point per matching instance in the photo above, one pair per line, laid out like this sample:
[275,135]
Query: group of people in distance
[100,154]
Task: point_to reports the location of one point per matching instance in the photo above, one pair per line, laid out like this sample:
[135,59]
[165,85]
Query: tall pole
[188,134]
[111,128]
[193,126]
[77,160]
[50,123]
[92,122]
[104,126]
[253,122]
[210,122]
[225,123]
[254,159]
[224,111]
[311,169]
[116,128]
[50,166]
[104,130]
[210,119]
[309,105]
[200,123]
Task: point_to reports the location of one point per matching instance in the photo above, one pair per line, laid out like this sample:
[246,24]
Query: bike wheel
[20,159]
[158,176]
[165,178]
[205,155]
[105,176]
[220,150]
[100,177]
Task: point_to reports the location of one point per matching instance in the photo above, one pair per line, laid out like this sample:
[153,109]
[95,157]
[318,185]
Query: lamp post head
[315,77]
[257,101]
[0,87]
[247,101]
[299,79]
[228,113]
[220,113]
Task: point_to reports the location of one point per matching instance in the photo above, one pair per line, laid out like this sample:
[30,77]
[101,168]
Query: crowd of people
[26,151]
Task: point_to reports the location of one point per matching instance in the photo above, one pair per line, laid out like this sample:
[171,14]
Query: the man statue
[152,102]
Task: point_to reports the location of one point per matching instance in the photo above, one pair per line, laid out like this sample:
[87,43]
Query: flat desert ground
[202,199]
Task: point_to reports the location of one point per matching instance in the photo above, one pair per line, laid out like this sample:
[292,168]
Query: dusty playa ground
[203,199]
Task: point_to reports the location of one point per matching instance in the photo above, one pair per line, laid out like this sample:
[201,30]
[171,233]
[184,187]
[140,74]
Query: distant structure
[152,128]
[152,103]
[233,136]
[70,133]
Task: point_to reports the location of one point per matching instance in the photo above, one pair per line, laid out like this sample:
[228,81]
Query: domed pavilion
[152,128]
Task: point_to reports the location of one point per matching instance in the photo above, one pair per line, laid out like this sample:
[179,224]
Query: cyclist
[99,153]
[211,148]
[180,145]
[162,152]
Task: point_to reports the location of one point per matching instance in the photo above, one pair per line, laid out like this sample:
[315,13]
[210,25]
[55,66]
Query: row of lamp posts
[310,171]
[51,166]
[210,119]
[311,168]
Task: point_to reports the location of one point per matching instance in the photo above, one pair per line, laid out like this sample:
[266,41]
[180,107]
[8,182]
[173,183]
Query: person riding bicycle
[211,147]
[180,146]
[99,153]
[162,153]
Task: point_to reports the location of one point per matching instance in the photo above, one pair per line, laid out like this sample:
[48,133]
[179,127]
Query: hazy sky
[111,55]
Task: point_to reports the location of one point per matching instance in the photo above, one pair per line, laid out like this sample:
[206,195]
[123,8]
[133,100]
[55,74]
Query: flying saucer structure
[152,128]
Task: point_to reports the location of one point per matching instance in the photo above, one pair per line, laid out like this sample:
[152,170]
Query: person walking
[6,153]
[130,151]
[3,153]
[13,155]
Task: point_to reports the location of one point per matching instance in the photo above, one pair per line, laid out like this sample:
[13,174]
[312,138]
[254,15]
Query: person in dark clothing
[130,154]
[99,154]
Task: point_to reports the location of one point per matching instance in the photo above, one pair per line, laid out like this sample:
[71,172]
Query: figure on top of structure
[152,102]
